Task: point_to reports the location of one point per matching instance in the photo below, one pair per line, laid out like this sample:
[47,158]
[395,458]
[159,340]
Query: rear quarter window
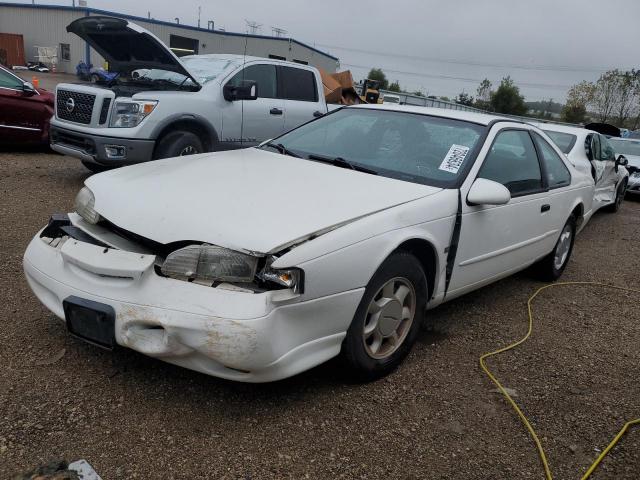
[298,84]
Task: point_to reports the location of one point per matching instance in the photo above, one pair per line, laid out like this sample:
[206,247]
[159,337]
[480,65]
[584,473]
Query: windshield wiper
[281,149]
[341,162]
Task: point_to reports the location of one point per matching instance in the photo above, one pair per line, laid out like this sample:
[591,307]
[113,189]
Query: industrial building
[45,26]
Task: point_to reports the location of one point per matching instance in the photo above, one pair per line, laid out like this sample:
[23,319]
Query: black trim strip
[453,247]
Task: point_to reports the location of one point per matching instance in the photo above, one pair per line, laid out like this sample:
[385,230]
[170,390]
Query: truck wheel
[551,267]
[178,144]
[94,167]
[388,319]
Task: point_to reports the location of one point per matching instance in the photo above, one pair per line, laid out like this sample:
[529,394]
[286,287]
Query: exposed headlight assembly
[130,113]
[209,263]
[85,201]
[292,278]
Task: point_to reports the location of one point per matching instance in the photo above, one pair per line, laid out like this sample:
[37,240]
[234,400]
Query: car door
[20,117]
[300,93]
[249,122]
[606,191]
[496,240]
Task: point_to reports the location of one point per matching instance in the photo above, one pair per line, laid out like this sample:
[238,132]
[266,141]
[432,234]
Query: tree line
[613,98]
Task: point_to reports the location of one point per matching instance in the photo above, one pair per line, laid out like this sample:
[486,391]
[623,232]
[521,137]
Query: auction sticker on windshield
[454,158]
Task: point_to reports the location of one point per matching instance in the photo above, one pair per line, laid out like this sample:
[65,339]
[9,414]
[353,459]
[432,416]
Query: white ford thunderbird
[335,238]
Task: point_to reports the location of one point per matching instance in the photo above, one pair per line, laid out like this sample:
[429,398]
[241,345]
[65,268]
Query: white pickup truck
[163,106]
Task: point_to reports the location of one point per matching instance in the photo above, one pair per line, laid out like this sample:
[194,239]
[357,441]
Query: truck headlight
[210,263]
[130,113]
[85,201]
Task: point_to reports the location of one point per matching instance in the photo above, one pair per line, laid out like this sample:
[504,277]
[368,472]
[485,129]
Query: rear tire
[177,144]
[388,318]
[550,268]
[94,167]
[620,193]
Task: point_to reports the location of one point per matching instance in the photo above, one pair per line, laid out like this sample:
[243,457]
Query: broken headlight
[209,263]
[85,201]
[292,278]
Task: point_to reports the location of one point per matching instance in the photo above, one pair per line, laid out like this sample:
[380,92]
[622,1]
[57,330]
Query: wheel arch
[199,126]
[426,254]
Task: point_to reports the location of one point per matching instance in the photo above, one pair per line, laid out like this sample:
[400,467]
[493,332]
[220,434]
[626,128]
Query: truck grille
[82,106]
[104,111]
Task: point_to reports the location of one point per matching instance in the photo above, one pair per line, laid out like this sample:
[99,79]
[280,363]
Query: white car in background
[592,153]
[630,148]
[337,237]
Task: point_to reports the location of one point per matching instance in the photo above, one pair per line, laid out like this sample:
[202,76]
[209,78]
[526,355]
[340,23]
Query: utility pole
[252,27]
[199,13]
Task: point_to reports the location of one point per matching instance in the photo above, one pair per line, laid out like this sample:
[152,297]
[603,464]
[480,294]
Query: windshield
[626,147]
[413,147]
[564,141]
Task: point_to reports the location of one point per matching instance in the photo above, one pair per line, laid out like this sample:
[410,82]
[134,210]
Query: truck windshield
[414,147]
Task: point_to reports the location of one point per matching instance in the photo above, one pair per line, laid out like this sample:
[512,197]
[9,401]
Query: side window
[298,84]
[607,152]
[9,81]
[513,162]
[557,173]
[263,75]
[595,147]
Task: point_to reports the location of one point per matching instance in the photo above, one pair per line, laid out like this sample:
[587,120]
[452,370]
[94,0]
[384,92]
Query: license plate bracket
[91,321]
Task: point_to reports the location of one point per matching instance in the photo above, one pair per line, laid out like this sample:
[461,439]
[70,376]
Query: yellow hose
[515,406]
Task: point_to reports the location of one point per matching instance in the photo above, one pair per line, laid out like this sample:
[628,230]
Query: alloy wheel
[389,318]
[189,150]
[563,247]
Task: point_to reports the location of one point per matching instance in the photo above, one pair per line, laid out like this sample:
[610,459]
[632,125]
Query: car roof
[475,117]
[555,127]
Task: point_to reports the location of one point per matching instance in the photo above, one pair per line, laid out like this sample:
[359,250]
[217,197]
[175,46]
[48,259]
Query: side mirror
[488,192]
[28,88]
[622,160]
[247,91]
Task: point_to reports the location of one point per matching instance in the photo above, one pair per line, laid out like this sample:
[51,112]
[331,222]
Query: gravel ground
[436,417]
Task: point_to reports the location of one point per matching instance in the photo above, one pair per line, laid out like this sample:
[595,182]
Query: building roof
[162,22]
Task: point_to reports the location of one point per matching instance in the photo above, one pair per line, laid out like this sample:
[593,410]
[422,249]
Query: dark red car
[24,111]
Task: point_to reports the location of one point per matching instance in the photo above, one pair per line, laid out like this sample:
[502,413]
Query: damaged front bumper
[238,335]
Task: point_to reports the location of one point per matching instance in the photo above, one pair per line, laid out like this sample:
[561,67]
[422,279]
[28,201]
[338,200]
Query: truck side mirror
[248,90]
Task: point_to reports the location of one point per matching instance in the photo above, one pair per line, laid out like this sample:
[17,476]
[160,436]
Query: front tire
[550,268]
[388,318]
[178,144]
[94,167]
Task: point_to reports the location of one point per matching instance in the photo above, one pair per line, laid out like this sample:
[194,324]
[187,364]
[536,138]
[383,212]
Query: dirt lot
[436,417]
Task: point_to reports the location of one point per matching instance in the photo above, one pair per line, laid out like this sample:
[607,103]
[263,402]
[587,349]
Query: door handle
[318,114]
[275,111]
[545,208]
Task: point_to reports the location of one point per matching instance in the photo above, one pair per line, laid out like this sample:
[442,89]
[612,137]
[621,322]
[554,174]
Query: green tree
[507,98]
[464,99]
[483,97]
[574,113]
[395,87]
[378,74]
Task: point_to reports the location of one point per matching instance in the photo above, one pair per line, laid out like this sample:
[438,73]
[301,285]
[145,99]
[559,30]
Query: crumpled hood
[246,200]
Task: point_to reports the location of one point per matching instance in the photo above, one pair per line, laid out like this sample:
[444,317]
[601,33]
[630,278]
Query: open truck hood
[127,46]
[248,200]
